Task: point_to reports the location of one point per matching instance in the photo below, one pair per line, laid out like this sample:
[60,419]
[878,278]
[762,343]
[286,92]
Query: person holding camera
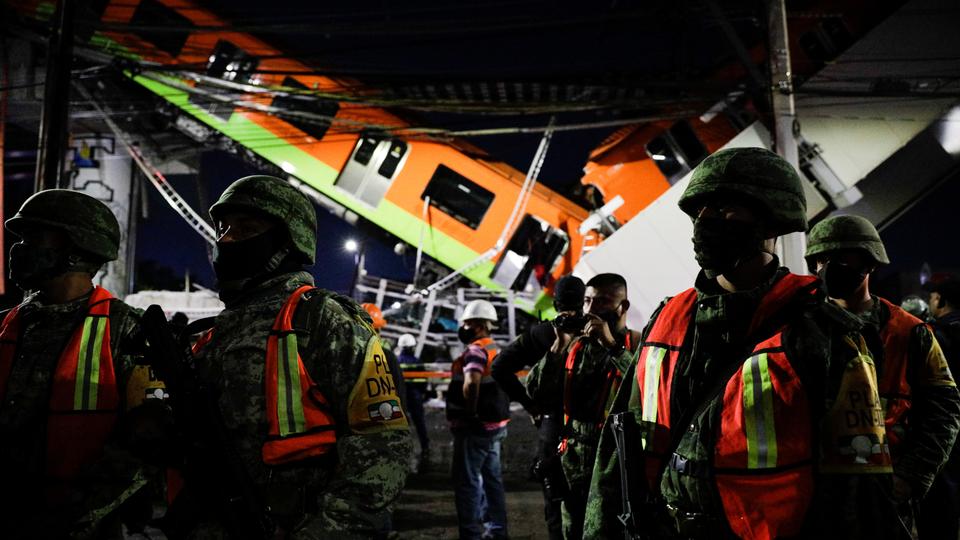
[523,352]
[584,367]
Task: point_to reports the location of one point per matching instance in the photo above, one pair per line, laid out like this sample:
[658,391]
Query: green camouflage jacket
[45,331]
[351,490]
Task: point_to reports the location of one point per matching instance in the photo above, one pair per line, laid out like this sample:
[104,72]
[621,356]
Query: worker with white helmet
[478,412]
[417,393]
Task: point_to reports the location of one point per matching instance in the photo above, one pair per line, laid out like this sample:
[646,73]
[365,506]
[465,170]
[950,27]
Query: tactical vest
[84,400]
[762,460]
[493,405]
[300,418]
[605,396]
[895,391]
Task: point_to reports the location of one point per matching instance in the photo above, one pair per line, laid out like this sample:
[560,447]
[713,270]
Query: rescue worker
[717,420]
[478,412]
[939,513]
[920,400]
[525,351]
[416,392]
[70,385]
[306,397]
[584,367]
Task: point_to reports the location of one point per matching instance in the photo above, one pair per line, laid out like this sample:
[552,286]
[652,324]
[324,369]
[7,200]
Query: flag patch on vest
[385,410]
[374,402]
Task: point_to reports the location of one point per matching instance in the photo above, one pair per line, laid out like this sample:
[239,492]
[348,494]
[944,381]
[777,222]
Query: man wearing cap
[307,400]
[910,374]
[70,385]
[478,412]
[525,351]
[717,420]
[582,371]
[939,512]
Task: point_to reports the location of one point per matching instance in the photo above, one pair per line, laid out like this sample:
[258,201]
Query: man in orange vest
[918,393]
[307,399]
[716,422]
[68,375]
[583,370]
[478,411]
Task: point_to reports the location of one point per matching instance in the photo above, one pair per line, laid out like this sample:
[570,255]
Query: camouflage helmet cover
[88,222]
[846,232]
[279,200]
[757,173]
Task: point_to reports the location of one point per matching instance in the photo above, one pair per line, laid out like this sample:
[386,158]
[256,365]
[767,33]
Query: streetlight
[357,248]
[351,245]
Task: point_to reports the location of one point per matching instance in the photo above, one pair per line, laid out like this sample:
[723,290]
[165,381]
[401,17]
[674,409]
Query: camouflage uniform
[719,338]
[45,330]
[345,493]
[545,385]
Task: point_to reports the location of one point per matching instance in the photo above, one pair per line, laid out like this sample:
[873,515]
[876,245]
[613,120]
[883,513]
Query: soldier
[922,407]
[306,398]
[721,409]
[69,377]
[527,350]
[478,412]
[584,368]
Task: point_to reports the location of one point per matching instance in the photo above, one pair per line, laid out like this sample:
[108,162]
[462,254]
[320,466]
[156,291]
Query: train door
[534,250]
[372,166]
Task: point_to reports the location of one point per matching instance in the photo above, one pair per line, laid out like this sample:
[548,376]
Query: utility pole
[52,146]
[786,128]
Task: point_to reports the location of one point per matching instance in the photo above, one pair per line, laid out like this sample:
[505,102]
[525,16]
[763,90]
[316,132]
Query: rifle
[212,468]
[618,423]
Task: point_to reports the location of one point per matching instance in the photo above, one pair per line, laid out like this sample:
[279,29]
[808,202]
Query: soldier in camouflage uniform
[915,384]
[325,440]
[585,370]
[69,378]
[722,411]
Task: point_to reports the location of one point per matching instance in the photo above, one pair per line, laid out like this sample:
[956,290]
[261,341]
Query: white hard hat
[406,341]
[479,309]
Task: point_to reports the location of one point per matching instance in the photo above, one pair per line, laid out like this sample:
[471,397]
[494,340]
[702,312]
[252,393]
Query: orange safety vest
[609,389]
[493,404]
[763,456]
[301,422]
[894,388]
[84,401]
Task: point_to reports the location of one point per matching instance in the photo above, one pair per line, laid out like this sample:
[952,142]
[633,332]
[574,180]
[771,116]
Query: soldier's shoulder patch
[142,385]
[374,402]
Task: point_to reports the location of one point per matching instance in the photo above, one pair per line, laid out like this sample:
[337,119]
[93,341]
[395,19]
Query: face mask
[31,265]
[250,257]
[466,335]
[721,245]
[612,318]
[841,280]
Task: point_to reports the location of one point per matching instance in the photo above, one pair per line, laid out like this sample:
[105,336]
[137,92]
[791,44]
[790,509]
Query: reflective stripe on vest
[894,385]
[301,424]
[758,413]
[84,400]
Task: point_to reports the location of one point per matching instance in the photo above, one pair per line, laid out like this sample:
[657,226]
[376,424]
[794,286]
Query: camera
[570,324]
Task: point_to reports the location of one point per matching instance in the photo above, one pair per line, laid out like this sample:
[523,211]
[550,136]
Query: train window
[531,254]
[458,196]
[365,150]
[231,63]
[323,107]
[389,166]
[676,151]
[152,14]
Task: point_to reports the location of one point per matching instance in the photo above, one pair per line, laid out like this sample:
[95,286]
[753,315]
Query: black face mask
[841,280]
[612,318]
[466,335]
[721,245]
[31,265]
[251,257]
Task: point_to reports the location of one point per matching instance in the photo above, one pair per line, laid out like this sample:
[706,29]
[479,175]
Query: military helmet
[846,232]
[759,174]
[279,200]
[88,222]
